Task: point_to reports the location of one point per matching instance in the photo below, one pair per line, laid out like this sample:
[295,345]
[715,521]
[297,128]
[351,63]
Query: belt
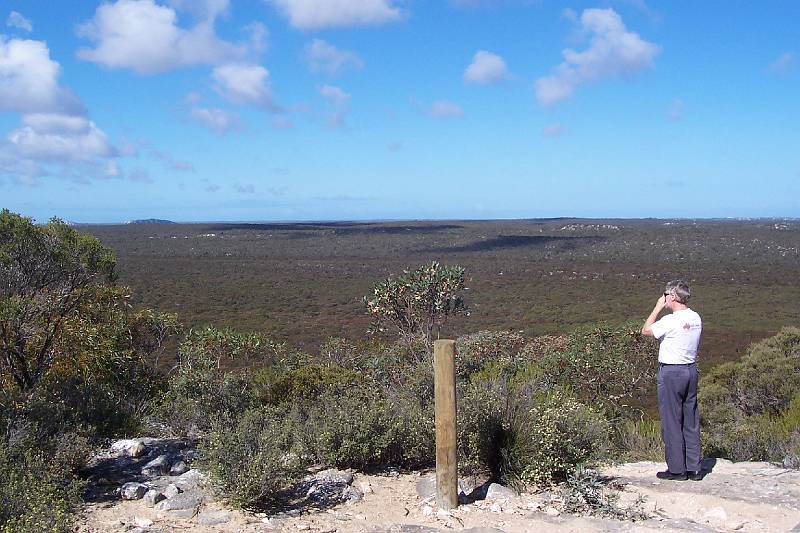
[677,364]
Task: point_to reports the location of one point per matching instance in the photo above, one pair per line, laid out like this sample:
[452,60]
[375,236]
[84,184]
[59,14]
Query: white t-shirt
[679,333]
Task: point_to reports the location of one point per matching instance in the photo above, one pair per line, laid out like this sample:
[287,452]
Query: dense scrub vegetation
[751,408]
[78,364]
[304,283]
[74,367]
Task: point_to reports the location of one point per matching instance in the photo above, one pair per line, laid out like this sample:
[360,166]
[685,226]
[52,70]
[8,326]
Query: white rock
[442,514]
[129,447]
[334,476]
[495,508]
[140,521]
[171,491]
[715,515]
[352,495]
[551,511]
[365,487]
[133,491]
[178,469]
[152,497]
[427,510]
[499,492]
[213,518]
[157,467]
[190,479]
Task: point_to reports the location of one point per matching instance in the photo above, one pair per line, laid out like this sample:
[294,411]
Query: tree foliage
[46,272]
[418,301]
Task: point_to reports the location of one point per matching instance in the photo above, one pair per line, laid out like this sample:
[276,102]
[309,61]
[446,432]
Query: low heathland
[80,364]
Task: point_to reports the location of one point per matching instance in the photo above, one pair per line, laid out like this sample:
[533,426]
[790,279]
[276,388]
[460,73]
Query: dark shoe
[695,476]
[666,474]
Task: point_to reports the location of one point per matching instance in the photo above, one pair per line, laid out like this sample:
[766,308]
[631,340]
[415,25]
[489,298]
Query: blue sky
[196,110]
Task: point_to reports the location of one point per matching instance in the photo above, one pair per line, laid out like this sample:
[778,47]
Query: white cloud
[22,171]
[55,137]
[339,100]
[259,35]
[486,68]
[144,36]
[569,14]
[29,79]
[613,51]
[217,120]
[112,169]
[314,14]
[553,130]
[244,84]
[324,57]
[782,64]
[335,95]
[16,20]
[445,109]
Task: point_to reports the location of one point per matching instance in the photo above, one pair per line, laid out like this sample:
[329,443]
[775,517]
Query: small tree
[417,302]
[46,272]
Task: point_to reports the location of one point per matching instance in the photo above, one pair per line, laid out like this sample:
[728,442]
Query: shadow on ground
[504,242]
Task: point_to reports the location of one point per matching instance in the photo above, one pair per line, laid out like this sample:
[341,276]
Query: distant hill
[150,221]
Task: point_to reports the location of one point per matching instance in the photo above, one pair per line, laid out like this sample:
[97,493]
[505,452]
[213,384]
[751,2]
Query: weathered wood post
[444,362]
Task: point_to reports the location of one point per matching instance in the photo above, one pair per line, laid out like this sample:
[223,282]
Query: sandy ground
[732,497]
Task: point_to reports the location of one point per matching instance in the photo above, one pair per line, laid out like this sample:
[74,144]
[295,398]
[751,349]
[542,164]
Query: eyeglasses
[666,294]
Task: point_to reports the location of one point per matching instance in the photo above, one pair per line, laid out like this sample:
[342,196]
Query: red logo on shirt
[687,327]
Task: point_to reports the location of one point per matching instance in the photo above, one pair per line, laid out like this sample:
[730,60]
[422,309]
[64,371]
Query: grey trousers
[680,421]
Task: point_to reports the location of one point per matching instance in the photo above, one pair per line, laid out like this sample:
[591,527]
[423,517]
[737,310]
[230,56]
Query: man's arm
[653,316]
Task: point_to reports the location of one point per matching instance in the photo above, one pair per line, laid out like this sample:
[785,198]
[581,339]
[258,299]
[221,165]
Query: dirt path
[732,497]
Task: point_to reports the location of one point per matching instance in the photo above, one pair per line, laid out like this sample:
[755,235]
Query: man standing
[679,333]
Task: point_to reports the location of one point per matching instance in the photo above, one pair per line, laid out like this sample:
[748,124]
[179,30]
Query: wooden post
[444,362]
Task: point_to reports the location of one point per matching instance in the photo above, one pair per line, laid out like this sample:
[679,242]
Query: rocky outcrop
[732,497]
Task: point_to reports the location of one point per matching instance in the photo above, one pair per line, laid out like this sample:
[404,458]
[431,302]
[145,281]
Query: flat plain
[304,282]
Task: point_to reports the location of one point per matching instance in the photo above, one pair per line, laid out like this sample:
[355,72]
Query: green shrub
[482,421]
[790,419]
[549,440]
[637,440]
[754,438]
[360,428]
[605,367]
[195,401]
[201,390]
[39,490]
[475,350]
[37,495]
[275,386]
[256,456]
[749,408]
[360,355]
[417,302]
[764,380]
